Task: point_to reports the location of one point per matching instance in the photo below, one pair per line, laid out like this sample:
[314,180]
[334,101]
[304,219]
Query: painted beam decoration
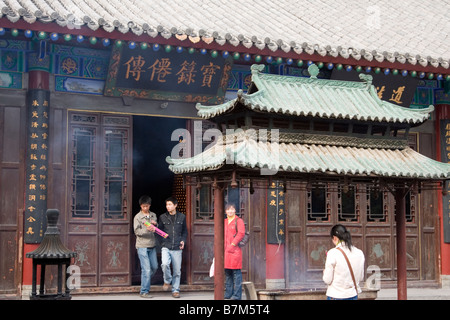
[37,166]
[276,215]
[168,74]
[445,155]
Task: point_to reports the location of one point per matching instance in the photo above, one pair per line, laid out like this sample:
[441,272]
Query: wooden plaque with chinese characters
[168,75]
[37,165]
[445,155]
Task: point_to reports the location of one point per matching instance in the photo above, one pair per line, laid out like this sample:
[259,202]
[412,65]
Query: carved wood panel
[100,197]
[308,236]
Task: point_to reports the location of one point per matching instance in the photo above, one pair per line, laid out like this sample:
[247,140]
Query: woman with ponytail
[344,266]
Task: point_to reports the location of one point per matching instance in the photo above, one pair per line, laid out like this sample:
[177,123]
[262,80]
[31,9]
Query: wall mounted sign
[445,157]
[276,215]
[395,89]
[168,75]
[37,165]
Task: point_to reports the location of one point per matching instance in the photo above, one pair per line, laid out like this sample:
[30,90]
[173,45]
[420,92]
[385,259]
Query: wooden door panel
[114,262]
[257,226]
[202,252]
[86,247]
[374,233]
[100,197]
[295,247]
[316,249]
[12,166]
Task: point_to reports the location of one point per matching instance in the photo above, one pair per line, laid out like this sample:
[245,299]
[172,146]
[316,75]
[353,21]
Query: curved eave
[315,159]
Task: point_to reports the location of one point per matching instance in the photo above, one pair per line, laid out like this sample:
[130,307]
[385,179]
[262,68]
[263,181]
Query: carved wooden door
[99,177]
[12,138]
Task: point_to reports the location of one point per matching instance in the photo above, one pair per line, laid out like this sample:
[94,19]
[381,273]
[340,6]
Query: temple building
[321,152]
[334,114]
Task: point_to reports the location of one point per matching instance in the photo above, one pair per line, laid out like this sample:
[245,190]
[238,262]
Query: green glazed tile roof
[247,152]
[332,99]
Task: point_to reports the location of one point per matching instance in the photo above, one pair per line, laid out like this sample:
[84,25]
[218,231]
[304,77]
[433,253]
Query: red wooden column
[275,278]
[219,266]
[442,113]
[38,80]
[400,220]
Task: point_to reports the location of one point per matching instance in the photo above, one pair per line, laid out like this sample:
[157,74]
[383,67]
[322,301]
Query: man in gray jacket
[143,224]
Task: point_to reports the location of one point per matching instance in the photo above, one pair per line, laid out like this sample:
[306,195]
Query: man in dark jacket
[174,224]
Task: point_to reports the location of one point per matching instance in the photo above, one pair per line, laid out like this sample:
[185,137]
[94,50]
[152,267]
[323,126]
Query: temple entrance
[151,175]
[113,160]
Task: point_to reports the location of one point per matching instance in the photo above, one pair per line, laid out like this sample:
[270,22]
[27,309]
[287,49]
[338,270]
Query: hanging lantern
[28,33]
[131,44]
[168,48]
[42,35]
[54,36]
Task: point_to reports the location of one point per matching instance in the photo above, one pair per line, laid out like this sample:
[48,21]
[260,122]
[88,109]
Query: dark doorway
[151,175]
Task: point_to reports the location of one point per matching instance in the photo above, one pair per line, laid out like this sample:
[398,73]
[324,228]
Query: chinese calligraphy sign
[37,164]
[395,89]
[445,157]
[276,214]
[162,75]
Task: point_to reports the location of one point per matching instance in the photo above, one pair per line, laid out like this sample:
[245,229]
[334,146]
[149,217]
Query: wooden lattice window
[115,168]
[319,206]
[83,183]
[377,210]
[204,204]
[348,206]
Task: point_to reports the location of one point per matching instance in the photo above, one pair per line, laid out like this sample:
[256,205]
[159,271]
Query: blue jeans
[351,298]
[174,257]
[149,265]
[233,284]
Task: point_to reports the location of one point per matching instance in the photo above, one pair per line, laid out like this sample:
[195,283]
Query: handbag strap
[350,267]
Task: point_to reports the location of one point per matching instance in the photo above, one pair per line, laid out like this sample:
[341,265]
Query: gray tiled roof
[414,31]
[244,150]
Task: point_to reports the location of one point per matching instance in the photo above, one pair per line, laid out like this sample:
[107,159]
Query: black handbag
[244,240]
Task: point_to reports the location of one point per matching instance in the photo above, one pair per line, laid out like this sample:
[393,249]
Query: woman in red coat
[234,233]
